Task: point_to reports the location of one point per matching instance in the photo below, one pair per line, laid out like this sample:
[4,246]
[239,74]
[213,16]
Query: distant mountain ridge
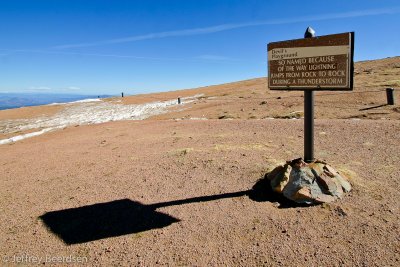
[17,100]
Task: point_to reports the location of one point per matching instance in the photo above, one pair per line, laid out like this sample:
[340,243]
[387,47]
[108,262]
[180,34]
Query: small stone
[279,177]
[302,194]
[324,199]
[340,211]
[330,171]
[276,204]
[327,183]
[344,183]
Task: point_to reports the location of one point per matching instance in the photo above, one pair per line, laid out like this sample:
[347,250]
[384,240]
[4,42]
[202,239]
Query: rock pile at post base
[312,183]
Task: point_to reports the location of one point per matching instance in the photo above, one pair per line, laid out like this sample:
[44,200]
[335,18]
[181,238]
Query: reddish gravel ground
[174,193]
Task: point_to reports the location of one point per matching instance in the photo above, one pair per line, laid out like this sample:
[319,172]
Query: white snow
[24,136]
[88,111]
[55,104]
[198,119]
[86,100]
[77,101]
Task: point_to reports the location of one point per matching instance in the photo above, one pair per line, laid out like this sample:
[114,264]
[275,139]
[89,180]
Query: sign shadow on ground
[125,216]
[104,220]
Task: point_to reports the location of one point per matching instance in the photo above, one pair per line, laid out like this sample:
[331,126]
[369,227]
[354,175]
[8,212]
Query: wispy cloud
[225,27]
[88,54]
[73,88]
[215,58]
[39,88]
[58,52]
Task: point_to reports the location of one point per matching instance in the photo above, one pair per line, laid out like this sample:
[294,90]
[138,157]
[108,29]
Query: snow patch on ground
[202,119]
[78,101]
[88,111]
[24,136]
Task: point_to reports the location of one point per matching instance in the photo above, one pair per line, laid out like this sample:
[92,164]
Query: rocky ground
[174,190]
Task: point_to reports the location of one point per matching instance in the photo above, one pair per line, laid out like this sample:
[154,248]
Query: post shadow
[125,216]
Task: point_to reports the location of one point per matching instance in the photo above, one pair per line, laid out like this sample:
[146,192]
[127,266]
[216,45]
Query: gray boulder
[312,183]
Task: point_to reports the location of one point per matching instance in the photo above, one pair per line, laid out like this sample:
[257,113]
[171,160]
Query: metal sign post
[309,126]
[311,64]
[309,115]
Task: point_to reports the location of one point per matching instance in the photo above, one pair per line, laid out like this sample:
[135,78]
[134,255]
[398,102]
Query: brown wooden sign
[318,63]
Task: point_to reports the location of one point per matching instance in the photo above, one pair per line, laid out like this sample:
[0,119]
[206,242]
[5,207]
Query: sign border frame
[351,71]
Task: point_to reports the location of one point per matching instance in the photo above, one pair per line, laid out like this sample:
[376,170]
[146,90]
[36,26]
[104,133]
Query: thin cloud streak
[215,58]
[73,88]
[225,27]
[39,88]
[88,54]
[193,59]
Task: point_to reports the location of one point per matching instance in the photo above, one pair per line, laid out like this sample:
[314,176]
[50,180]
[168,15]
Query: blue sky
[106,47]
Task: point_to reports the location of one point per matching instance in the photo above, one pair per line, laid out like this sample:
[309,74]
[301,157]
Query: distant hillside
[16,100]
[252,99]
